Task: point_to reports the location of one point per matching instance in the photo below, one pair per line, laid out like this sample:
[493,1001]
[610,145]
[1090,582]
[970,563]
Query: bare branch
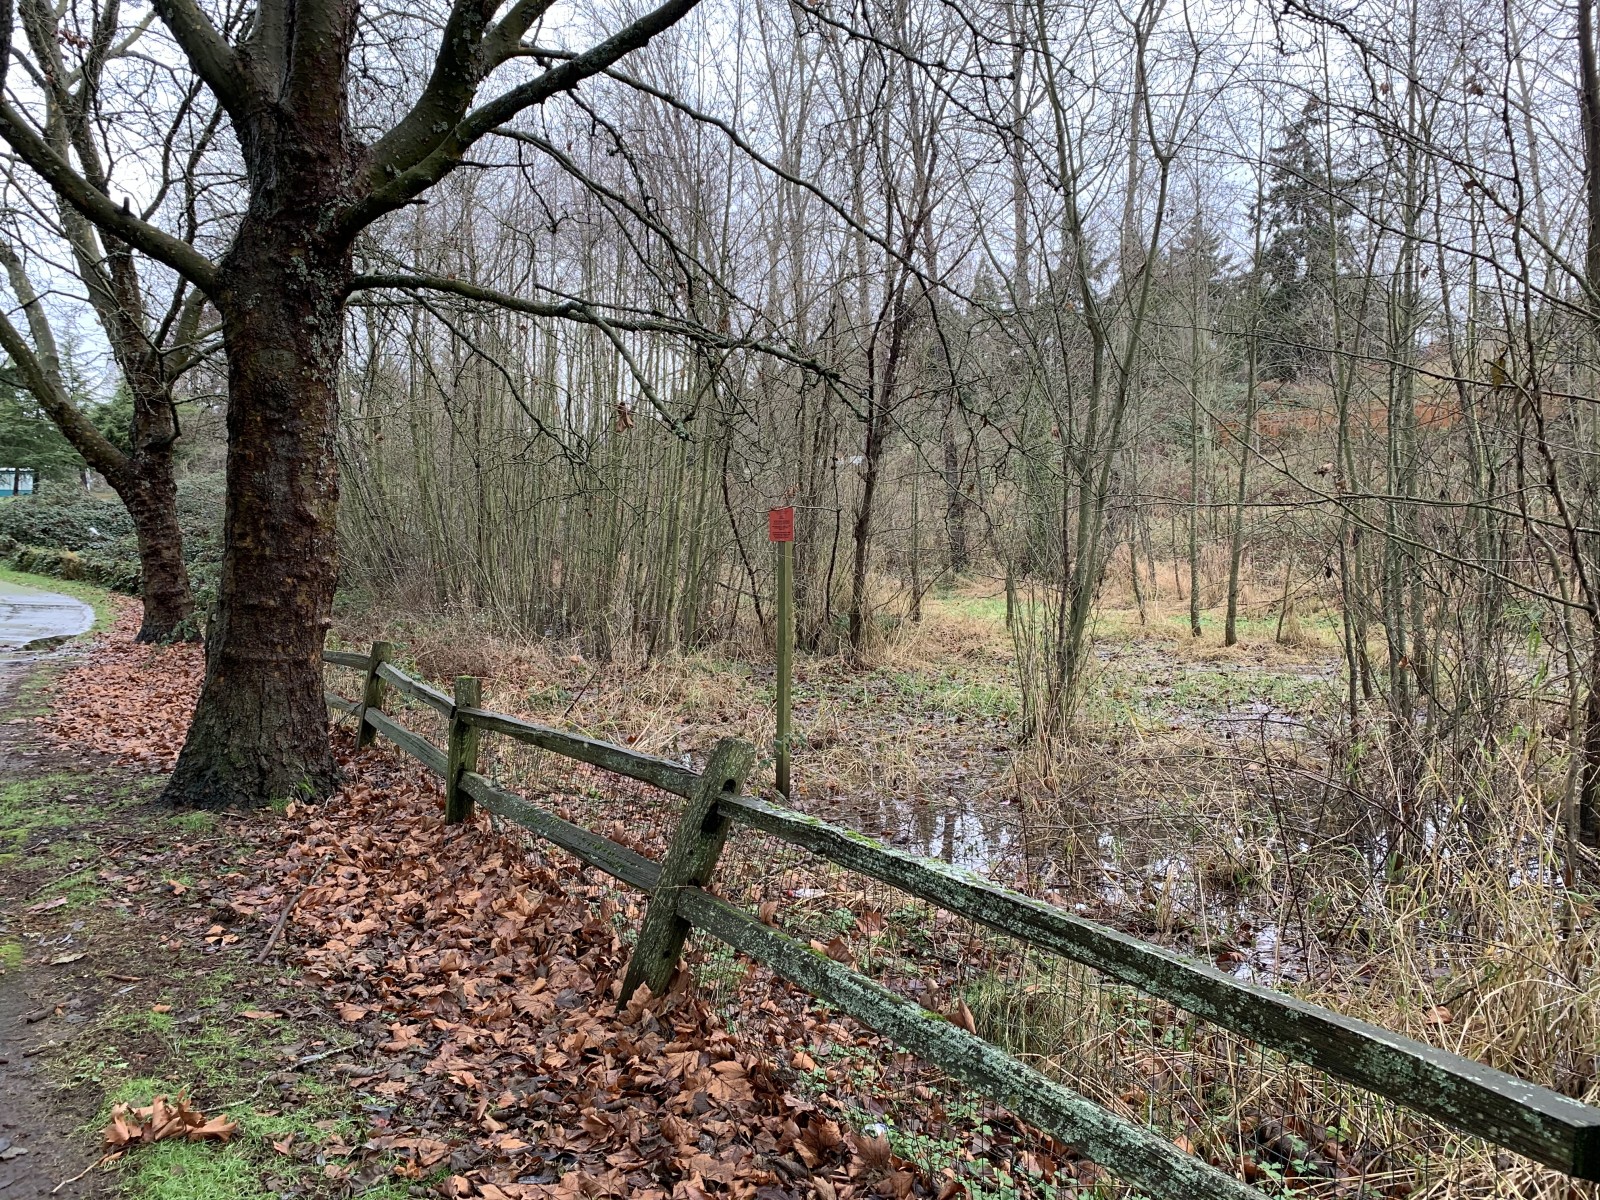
[589,314]
[40,368]
[469,50]
[389,192]
[210,56]
[98,207]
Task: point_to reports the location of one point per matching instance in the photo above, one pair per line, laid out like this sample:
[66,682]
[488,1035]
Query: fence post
[692,856]
[463,752]
[373,689]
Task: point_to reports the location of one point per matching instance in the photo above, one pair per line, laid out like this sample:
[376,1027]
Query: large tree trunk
[260,731]
[151,499]
[148,488]
[282,78]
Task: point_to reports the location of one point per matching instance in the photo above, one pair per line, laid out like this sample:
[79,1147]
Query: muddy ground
[41,1140]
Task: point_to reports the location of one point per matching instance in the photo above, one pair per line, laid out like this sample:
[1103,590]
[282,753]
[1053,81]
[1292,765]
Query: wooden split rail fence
[1482,1101]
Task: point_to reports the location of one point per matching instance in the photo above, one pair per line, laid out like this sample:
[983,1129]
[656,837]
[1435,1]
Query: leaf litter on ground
[480,973]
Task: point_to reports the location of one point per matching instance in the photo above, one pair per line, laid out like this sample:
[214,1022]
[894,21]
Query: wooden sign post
[780,530]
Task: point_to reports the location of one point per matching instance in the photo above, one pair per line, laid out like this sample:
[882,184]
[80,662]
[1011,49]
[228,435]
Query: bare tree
[315,176]
[153,341]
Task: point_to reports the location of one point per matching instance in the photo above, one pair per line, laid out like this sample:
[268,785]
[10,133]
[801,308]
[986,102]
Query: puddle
[1160,869]
[31,619]
[1256,717]
[953,830]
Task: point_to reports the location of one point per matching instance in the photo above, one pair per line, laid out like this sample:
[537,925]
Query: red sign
[780,524]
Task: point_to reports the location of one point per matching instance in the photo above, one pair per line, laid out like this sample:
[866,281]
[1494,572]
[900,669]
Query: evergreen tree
[114,418]
[30,440]
[1307,211]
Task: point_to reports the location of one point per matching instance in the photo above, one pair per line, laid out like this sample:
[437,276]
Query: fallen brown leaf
[963,1017]
[162,1119]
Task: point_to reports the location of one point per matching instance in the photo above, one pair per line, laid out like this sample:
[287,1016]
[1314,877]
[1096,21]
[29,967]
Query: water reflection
[962,832]
[29,615]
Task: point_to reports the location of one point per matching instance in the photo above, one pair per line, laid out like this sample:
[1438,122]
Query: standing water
[29,615]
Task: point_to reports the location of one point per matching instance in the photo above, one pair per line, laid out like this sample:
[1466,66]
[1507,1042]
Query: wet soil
[41,1143]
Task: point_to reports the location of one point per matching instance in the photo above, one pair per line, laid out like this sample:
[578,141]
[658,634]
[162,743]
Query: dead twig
[76,1177]
[288,911]
[307,1059]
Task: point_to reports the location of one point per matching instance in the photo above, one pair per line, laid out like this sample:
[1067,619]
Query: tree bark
[1589,112]
[260,731]
[151,498]
[860,564]
[955,507]
[1589,126]
[142,478]
[145,483]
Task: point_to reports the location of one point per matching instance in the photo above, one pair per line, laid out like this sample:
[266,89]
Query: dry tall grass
[1400,885]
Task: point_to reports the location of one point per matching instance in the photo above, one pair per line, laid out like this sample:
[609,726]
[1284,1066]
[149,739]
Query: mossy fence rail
[1550,1128]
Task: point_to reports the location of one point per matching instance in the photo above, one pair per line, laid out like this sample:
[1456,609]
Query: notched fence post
[373,690]
[462,755]
[690,859]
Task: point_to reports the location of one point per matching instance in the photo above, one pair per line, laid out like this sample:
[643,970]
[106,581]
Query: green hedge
[64,519]
[103,570]
[66,534]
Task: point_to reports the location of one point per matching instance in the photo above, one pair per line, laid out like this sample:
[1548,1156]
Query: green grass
[35,696]
[942,1156]
[194,822]
[991,608]
[79,888]
[1317,632]
[246,1167]
[176,1170]
[221,1056]
[131,1054]
[1175,691]
[951,692]
[718,969]
[160,1023]
[201,1045]
[24,814]
[1318,629]
[97,598]
[30,807]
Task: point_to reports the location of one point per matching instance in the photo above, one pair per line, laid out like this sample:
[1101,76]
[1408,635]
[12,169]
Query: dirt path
[30,615]
[40,1142]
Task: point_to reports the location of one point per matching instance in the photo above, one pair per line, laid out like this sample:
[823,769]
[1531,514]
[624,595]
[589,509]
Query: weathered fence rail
[1500,1108]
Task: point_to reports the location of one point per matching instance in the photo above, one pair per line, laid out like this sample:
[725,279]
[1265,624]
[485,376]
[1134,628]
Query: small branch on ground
[78,1176]
[308,1059]
[288,911]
